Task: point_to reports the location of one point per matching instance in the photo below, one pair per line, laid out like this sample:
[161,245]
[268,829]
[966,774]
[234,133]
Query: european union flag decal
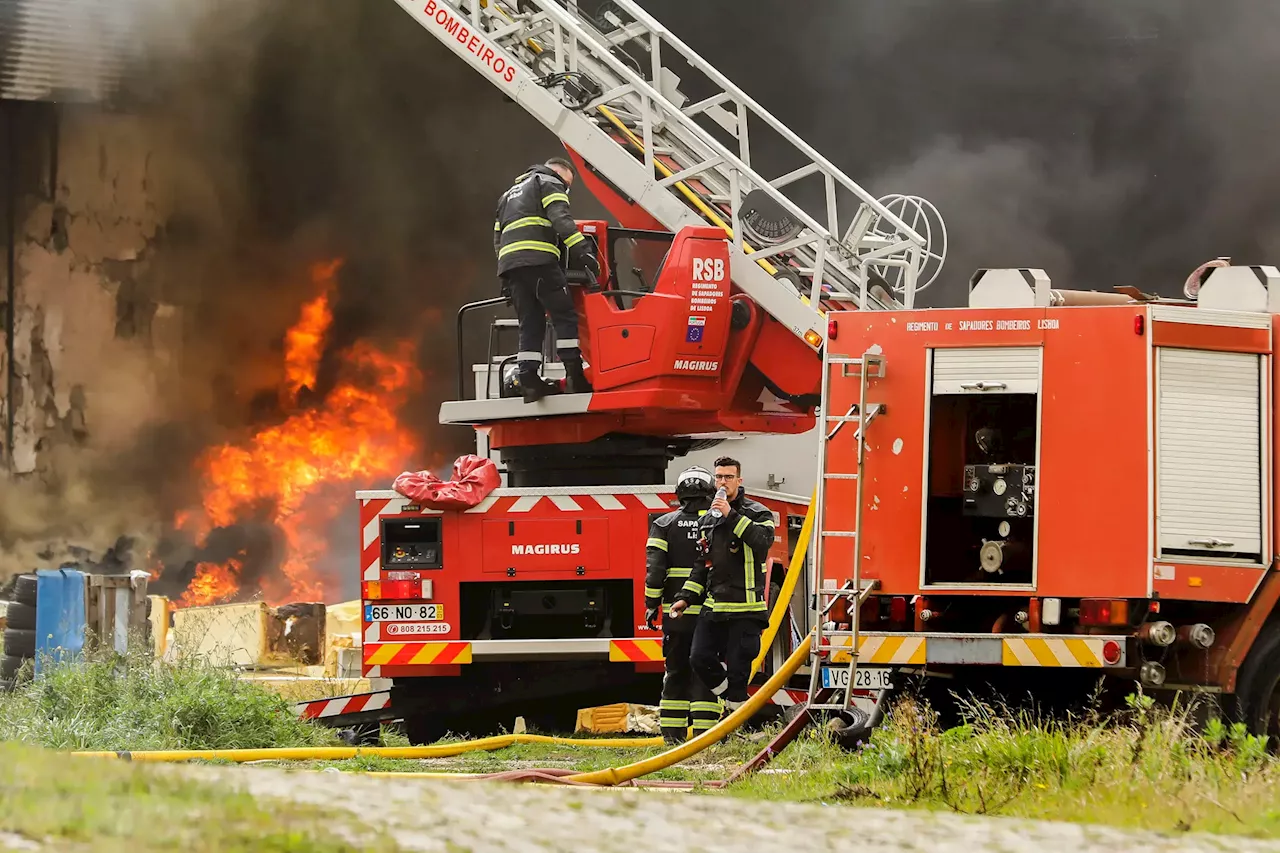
[694,333]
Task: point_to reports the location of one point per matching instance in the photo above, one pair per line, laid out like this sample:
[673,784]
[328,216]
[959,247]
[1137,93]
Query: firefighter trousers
[684,696]
[723,650]
[537,292]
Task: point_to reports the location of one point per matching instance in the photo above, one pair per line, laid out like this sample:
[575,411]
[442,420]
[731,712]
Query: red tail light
[832,328]
[1103,611]
[389,590]
[898,609]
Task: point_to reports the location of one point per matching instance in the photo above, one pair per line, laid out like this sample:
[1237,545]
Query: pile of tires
[20,629]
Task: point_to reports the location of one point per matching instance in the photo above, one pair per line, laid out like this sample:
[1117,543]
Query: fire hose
[608,776]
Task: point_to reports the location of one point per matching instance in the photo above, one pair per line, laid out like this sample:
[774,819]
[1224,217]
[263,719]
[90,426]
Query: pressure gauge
[1004,528]
[999,486]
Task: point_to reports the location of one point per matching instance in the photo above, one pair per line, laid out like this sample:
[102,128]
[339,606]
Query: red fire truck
[733,316]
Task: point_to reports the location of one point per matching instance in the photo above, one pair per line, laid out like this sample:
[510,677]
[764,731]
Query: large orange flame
[302,470]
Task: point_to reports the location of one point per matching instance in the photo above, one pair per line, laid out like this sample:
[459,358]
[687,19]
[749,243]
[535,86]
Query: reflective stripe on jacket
[732,583]
[533,222]
[670,555]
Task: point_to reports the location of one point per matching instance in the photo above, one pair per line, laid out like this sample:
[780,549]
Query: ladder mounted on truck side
[830,642]
[605,84]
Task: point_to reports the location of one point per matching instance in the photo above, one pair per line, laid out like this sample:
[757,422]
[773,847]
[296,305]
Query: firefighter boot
[575,380]
[532,386]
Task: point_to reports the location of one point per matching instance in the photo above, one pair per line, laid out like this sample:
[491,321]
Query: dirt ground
[461,816]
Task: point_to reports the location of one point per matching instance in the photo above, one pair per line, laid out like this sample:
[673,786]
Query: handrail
[470,306]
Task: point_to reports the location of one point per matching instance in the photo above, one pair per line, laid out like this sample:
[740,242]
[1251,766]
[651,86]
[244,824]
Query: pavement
[493,817]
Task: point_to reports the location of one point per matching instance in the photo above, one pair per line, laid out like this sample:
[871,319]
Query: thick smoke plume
[295,131]
[1109,142]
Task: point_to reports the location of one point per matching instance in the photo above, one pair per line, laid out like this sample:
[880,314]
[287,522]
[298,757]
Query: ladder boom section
[607,86]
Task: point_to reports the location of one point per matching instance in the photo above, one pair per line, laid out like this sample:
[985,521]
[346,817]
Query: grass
[1145,768]
[107,704]
[89,804]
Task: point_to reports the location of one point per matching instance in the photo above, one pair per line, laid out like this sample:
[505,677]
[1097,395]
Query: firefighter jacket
[731,581]
[670,554]
[533,221]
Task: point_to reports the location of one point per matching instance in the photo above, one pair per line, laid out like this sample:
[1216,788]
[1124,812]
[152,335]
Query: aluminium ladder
[604,84]
[828,641]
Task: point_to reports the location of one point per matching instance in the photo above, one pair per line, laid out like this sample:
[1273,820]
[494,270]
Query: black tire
[19,643]
[21,616]
[1258,686]
[24,591]
[9,667]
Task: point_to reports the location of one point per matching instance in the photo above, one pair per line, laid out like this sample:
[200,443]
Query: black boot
[575,380]
[533,387]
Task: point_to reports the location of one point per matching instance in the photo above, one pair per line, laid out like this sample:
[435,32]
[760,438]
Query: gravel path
[487,817]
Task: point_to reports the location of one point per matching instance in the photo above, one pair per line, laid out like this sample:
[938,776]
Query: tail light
[898,609]
[833,328]
[1103,611]
[839,611]
[394,590]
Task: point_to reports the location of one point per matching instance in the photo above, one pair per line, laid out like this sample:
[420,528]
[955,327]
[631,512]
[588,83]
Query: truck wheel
[21,616]
[1258,689]
[21,644]
[24,591]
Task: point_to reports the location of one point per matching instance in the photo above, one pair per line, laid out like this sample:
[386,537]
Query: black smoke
[1110,142]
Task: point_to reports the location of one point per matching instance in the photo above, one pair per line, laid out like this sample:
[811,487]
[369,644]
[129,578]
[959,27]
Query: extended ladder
[605,85]
[828,641]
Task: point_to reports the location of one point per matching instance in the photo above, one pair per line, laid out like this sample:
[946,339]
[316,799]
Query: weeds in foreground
[1146,767]
[110,703]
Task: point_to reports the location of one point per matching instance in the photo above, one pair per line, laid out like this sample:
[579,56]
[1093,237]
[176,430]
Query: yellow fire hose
[342,753]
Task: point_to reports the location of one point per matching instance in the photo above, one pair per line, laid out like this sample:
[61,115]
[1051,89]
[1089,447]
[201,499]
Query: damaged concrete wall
[95,342]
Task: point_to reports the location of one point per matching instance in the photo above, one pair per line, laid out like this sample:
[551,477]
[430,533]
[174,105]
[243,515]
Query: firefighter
[669,558]
[730,582]
[532,223]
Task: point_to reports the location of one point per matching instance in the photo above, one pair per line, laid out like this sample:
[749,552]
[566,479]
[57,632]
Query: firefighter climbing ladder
[828,640]
[605,85]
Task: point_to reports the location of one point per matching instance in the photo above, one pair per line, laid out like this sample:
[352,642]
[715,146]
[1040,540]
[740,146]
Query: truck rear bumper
[876,649]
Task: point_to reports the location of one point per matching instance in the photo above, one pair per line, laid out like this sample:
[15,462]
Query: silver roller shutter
[1208,453]
[986,370]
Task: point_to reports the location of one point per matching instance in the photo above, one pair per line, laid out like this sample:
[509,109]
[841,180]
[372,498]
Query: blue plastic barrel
[60,615]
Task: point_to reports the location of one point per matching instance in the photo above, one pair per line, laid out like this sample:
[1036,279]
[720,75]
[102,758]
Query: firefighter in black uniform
[669,559]
[532,223]
[731,583]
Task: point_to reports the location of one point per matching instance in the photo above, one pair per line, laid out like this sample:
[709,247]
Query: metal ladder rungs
[841,534]
[845,359]
[844,419]
[840,476]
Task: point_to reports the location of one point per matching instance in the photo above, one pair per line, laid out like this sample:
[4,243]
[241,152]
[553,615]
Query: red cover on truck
[474,477]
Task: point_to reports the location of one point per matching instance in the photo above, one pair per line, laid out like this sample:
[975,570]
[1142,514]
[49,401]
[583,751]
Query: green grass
[137,705]
[90,804]
[1145,768]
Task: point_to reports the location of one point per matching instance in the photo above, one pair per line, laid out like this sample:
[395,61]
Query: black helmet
[694,483]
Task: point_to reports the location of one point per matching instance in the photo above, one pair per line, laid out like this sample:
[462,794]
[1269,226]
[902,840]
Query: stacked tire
[20,629]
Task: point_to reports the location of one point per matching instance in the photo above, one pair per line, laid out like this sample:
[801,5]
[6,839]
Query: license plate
[403,612]
[867,678]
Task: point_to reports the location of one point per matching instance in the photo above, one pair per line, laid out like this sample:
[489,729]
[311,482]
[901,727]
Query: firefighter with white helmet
[669,559]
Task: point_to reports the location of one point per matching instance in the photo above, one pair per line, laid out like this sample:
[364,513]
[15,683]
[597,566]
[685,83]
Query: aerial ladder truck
[773,306]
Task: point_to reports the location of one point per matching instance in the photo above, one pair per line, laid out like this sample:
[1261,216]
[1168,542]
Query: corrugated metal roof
[64,50]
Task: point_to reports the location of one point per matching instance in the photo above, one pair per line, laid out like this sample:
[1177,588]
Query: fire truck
[737,310]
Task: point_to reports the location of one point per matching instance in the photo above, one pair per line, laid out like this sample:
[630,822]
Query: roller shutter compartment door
[986,370]
[1209,454]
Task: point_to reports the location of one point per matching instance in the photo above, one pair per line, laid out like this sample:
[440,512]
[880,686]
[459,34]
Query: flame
[212,584]
[292,471]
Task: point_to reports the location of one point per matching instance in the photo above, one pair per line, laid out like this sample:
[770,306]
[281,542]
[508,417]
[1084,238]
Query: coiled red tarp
[474,477]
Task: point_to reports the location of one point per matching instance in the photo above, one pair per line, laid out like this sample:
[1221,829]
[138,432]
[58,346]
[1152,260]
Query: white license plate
[867,677]
[403,612]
